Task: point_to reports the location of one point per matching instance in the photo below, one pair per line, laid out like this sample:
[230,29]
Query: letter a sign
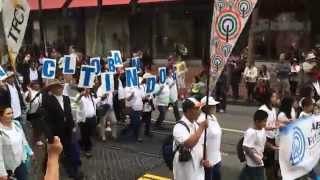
[15,19]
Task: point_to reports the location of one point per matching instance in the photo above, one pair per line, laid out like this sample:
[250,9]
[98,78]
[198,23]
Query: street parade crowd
[60,111]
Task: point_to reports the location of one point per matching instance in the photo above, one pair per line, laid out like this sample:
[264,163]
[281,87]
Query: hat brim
[51,86]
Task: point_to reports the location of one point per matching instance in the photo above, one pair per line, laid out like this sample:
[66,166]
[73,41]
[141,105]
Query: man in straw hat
[60,121]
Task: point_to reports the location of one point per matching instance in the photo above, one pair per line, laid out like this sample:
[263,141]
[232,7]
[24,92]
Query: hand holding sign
[49,68]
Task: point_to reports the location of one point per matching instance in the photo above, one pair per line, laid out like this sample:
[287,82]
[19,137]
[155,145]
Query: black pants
[235,89]
[71,157]
[293,87]
[176,110]
[87,131]
[20,173]
[146,119]
[250,89]
[222,98]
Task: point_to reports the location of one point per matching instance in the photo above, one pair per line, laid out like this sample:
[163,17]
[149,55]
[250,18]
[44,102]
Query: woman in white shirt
[214,133]
[287,113]
[14,148]
[250,74]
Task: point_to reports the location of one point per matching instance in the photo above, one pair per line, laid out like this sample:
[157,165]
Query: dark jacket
[5,96]
[60,122]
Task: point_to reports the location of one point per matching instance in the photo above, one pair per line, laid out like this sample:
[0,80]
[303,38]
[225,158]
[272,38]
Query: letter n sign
[49,68]
[132,79]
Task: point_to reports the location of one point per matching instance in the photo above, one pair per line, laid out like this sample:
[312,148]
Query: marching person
[87,128]
[173,97]
[34,100]
[60,121]
[254,143]
[188,144]
[214,133]
[162,94]
[14,148]
[148,107]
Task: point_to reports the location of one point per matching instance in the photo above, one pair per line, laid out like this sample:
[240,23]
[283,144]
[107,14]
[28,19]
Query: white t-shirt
[251,74]
[304,114]
[108,100]
[214,133]
[191,170]
[136,102]
[255,139]
[121,91]
[173,89]
[163,97]
[15,101]
[89,106]
[271,120]
[33,75]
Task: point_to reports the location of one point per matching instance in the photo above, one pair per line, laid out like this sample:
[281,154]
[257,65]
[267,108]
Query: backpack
[167,148]
[240,151]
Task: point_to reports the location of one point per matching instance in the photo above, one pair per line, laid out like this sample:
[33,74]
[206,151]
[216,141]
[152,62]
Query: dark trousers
[213,173]
[87,131]
[135,123]
[293,87]
[119,107]
[252,173]
[20,173]
[250,89]
[36,129]
[146,119]
[222,98]
[176,110]
[162,115]
[235,89]
[71,157]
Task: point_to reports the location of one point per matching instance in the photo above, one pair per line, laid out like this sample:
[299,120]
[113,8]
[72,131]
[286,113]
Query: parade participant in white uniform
[173,97]
[188,159]
[214,133]
[162,93]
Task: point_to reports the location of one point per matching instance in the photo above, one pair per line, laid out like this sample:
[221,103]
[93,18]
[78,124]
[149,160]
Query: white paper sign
[162,75]
[96,63]
[49,68]
[116,55]
[87,76]
[132,79]
[69,64]
[107,82]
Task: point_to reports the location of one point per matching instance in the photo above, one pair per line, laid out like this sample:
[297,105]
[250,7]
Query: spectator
[14,148]
[188,159]
[294,76]
[221,93]
[283,70]
[250,75]
[263,83]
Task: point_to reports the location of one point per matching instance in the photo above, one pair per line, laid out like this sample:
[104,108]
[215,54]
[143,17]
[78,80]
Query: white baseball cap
[212,101]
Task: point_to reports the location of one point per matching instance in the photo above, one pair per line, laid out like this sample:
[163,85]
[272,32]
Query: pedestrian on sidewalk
[283,70]
[250,75]
[214,132]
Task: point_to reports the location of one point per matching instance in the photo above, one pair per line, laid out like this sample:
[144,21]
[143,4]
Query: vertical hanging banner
[150,84]
[107,82]
[132,79]
[69,64]
[49,68]
[136,62]
[111,64]
[162,75]
[87,76]
[116,55]
[96,63]
[15,15]
[3,74]
[229,19]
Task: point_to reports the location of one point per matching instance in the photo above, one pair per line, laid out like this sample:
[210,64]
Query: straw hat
[310,56]
[53,83]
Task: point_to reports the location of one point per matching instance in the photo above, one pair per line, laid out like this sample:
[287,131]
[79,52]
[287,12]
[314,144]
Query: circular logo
[217,61]
[244,7]
[226,49]
[298,147]
[228,25]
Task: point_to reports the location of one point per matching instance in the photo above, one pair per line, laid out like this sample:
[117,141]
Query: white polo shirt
[255,139]
[191,170]
[163,97]
[136,102]
[271,120]
[89,106]
[15,101]
[214,133]
[173,89]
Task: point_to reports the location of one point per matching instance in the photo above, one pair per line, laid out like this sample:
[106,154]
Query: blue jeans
[252,173]
[20,173]
[213,173]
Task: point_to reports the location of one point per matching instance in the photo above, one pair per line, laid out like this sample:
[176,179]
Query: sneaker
[39,143]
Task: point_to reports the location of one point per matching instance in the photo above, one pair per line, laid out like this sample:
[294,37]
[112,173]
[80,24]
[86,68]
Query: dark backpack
[167,148]
[240,151]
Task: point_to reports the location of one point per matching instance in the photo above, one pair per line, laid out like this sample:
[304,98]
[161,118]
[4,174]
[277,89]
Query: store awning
[115,2]
[83,3]
[155,1]
[46,4]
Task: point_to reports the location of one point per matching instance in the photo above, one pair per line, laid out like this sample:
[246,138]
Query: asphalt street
[127,160]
